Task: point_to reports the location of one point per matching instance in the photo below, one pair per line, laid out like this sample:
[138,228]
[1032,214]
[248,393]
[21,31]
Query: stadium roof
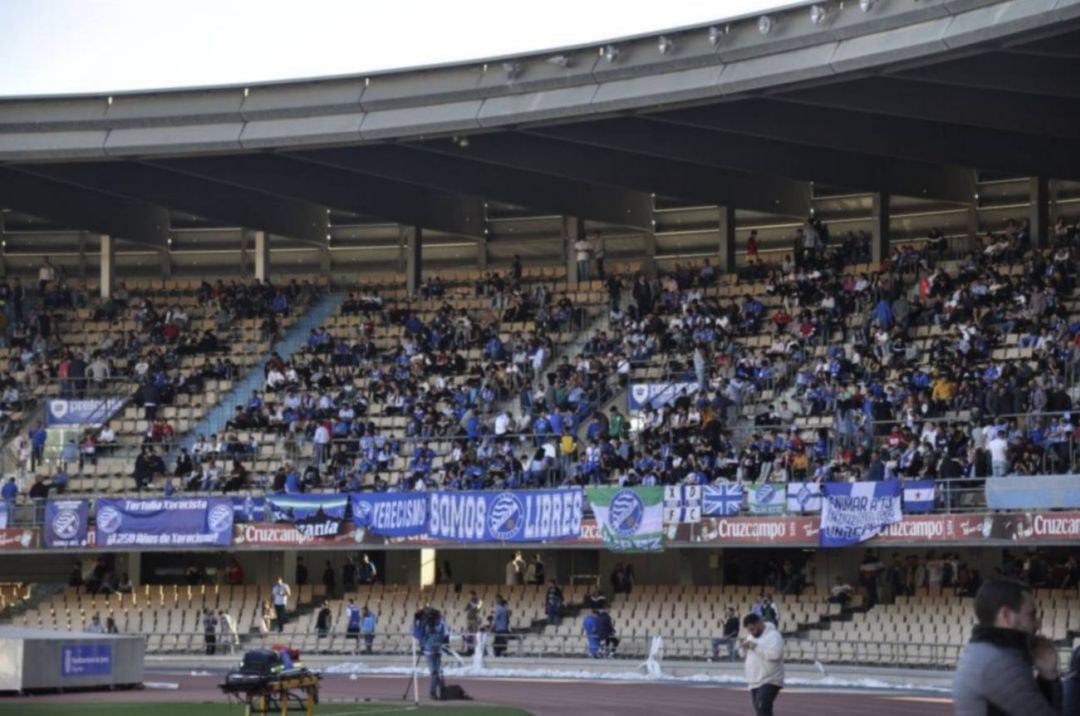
[905,97]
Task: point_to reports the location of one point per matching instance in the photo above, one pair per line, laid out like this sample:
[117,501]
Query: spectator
[605,632]
[323,621]
[95,626]
[366,572]
[766,608]
[729,630]
[38,436]
[764,651]
[553,604]
[840,592]
[266,614]
[591,626]
[500,624]
[328,579]
[994,674]
[9,492]
[210,623]
[535,572]
[353,621]
[367,627]
[281,594]
[472,621]
[110,626]
[229,636]
[515,570]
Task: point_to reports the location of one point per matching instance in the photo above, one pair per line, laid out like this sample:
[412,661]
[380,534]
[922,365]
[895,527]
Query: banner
[1051,492]
[85,659]
[82,412]
[16,538]
[66,523]
[249,509]
[919,496]
[767,499]
[654,395]
[256,534]
[168,522]
[854,512]
[682,504]
[313,515]
[804,497]
[394,514]
[4,516]
[721,500]
[631,519]
[780,531]
[526,516]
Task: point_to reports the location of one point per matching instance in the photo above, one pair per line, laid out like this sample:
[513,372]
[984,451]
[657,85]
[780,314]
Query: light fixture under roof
[818,13]
[513,69]
[559,61]
[866,5]
[665,45]
[715,35]
[765,24]
[610,52]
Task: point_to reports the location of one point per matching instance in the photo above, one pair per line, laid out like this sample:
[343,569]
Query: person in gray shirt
[1006,667]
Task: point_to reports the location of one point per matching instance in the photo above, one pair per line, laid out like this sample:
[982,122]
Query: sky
[87,46]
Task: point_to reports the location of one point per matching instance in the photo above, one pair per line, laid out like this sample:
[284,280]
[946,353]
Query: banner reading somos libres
[631,519]
[524,516]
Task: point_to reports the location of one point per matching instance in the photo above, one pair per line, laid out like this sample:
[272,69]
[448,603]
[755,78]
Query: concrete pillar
[414,259]
[288,570]
[3,245]
[482,243]
[428,566]
[572,228]
[166,263]
[972,221]
[727,239]
[134,568]
[1039,216]
[262,256]
[879,229]
[108,264]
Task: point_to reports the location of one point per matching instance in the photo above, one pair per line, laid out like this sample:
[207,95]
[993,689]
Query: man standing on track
[764,651]
[281,594]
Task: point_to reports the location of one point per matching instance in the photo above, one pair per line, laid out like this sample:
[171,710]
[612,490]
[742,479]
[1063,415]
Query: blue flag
[721,500]
[918,496]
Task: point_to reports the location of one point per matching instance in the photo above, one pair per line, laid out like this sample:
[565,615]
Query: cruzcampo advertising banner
[631,519]
[313,515]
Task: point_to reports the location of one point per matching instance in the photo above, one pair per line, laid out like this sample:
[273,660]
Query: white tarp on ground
[361,669]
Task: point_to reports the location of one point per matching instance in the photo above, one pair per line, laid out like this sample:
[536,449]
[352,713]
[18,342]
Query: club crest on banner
[626,513]
[505,516]
[108,520]
[220,518]
[65,524]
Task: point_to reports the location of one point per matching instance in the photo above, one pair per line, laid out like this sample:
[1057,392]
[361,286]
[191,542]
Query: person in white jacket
[764,651]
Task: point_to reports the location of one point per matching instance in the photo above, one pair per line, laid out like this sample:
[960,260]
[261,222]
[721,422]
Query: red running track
[546,697]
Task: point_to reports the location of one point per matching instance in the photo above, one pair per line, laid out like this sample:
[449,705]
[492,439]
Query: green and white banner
[631,519]
[767,498]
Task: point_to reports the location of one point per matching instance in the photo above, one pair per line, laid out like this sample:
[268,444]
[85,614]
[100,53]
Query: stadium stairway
[293,340]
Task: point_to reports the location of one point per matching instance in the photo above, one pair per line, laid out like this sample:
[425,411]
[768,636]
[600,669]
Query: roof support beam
[286,176]
[1004,72]
[969,106]
[694,182]
[700,146]
[884,136]
[415,166]
[83,208]
[286,217]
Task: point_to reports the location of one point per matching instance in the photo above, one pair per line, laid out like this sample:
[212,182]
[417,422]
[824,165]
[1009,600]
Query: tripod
[413,680]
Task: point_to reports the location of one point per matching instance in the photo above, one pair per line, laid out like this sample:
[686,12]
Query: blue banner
[85,659]
[4,516]
[722,500]
[249,509]
[82,412]
[393,514]
[169,522]
[853,512]
[66,523]
[1052,492]
[313,515]
[526,516]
